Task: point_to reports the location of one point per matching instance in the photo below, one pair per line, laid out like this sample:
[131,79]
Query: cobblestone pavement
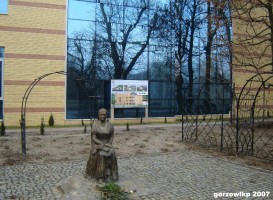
[173,176]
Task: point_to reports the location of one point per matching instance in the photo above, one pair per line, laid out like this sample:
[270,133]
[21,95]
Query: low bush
[51,120]
[42,126]
[112,191]
[3,129]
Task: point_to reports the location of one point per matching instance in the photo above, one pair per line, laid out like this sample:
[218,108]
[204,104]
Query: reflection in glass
[1,52]
[108,41]
[124,39]
[81,10]
[4,7]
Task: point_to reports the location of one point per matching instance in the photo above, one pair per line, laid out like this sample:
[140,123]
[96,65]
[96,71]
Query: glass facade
[1,81]
[120,39]
[4,7]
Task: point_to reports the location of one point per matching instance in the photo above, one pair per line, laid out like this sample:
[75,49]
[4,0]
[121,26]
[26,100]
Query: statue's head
[102,114]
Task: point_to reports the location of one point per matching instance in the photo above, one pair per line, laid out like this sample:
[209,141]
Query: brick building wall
[252,52]
[33,35]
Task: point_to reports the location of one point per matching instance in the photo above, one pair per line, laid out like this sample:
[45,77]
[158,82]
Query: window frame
[2,76]
[2,60]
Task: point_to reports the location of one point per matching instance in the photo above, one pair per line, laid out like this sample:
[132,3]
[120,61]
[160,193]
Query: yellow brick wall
[35,44]
[240,52]
[251,54]
[38,68]
[24,16]
[57,2]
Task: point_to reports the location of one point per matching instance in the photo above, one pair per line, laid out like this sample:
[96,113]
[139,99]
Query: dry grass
[65,144]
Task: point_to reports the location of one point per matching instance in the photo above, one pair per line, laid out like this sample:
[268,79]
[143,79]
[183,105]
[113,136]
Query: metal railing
[248,129]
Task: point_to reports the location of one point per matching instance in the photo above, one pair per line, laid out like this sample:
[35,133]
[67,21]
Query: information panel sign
[129,93]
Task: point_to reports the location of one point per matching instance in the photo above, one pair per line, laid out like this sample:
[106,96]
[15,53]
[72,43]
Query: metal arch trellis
[249,131]
[245,115]
[200,121]
[24,105]
[253,131]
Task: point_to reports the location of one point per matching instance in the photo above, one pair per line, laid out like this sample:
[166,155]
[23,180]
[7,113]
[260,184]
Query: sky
[3,6]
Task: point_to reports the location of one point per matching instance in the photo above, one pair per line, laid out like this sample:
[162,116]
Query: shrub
[3,128]
[42,127]
[84,130]
[113,191]
[51,120]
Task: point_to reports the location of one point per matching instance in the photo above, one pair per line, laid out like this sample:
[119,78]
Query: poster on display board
[129,93]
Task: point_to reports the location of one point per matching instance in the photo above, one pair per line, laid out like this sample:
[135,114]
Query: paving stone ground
[164,176]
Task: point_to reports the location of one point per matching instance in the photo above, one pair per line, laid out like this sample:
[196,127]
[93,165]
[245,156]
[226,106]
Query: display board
[129,93]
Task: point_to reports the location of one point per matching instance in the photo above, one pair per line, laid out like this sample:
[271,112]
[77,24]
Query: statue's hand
[98,145]
[108,145]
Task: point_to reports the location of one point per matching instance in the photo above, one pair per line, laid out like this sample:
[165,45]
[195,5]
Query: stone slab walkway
[173,176]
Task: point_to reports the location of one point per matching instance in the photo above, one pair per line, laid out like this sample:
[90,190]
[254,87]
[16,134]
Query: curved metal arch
[24,104]
[253,103]
[253,110]
[258,91]
[251,80]
[29,89]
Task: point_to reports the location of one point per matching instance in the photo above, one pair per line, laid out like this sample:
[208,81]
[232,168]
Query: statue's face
[102,116]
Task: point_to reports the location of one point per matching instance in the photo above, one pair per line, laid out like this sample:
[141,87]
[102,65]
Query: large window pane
[129,113]
[162,108]
[166,90]
[80,27]
[1,52]
[161,63]
[1,109]
[1,81]
[81,10]
[99,49]
[4,7]
[84,97]
[139,35]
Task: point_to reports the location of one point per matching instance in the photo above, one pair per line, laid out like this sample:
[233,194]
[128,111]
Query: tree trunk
[190,67]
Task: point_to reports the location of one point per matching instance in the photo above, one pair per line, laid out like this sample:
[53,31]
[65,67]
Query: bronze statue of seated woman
[102,162]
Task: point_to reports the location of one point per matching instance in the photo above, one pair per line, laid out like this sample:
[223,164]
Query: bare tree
[80,55]
[82,72]
[183,18]
[217,18]
[195,21]
[124,30]
[119,46]
[254,34]
[174,31]
[187,19]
